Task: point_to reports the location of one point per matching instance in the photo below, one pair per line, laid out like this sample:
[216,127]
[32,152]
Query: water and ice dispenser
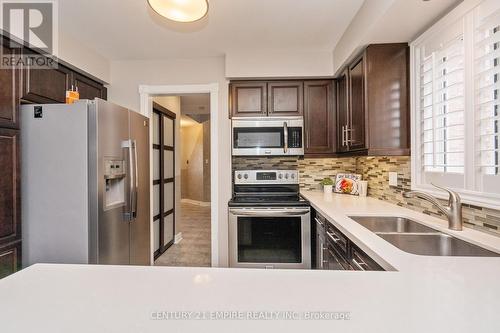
[114,176]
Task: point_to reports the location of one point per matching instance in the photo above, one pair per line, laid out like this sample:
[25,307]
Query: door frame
[147,93]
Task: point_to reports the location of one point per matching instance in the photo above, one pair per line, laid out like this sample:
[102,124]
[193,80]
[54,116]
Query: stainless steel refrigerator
[85,184]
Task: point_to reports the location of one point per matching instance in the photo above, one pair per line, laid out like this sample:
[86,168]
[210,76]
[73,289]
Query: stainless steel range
[269,222]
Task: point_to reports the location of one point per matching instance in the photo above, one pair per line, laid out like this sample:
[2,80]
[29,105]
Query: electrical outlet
[393,179]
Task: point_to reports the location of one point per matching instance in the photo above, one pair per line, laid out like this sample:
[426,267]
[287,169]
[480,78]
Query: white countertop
[424,295]
[338,207]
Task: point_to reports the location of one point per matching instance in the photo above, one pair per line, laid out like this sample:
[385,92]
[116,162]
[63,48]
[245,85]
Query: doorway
[147,94]
[182,180]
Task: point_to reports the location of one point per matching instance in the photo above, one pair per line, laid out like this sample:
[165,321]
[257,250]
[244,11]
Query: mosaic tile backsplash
[375,170]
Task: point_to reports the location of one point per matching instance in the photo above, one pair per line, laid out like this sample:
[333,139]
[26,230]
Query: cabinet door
[319,117]
[320,251]
[10,259]
[387,99]
[356,131]
[342,112]
[285,98]
[88,89]
[10,223]
[9,93]
[46,85]
[248,99]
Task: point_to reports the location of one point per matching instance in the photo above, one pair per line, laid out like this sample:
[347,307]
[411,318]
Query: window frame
[469,194]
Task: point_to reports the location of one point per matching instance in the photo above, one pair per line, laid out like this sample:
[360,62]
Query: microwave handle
[285,131]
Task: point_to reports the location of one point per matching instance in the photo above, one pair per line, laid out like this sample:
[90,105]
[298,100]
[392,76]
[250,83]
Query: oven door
[267,136]
[270,237]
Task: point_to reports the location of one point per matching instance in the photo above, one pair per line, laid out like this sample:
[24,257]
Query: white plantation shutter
[486,94]
[456,104]
[442,108]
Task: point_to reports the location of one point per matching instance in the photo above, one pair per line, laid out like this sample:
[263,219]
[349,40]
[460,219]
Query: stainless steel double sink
[413,237]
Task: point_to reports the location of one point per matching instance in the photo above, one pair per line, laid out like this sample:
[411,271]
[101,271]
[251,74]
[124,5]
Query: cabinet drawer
[336,238]
[362,262]
[10,259]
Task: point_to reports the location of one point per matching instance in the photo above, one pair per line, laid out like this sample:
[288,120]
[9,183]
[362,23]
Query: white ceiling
[129,29]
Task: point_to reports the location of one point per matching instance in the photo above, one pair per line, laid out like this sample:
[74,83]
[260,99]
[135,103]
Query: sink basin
[413,237]
[436,245]
[391,224]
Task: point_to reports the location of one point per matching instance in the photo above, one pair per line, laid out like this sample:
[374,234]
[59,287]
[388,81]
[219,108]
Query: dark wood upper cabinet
[9,93]
[248,99]
[285,98]
[88,89]
[387,99]
[342,105]
[46,85]
[10,219]
[319,118]
[356,131]
[375,118]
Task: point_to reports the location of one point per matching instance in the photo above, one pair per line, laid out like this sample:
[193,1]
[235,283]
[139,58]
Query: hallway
[194,250]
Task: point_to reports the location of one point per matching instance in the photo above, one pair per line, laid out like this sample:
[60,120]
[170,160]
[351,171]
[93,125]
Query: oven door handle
[265,213]
[285,132]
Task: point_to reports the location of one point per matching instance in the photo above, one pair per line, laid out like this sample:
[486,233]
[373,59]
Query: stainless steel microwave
[268,136]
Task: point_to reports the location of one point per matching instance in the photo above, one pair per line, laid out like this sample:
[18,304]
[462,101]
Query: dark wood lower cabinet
[10,259]
[10,219]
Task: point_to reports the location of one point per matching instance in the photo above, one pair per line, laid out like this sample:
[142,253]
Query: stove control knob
[286,176]
[246,176]
[280,176]
[293,176]
[239,176]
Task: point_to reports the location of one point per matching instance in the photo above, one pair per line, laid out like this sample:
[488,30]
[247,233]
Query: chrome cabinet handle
[343,136]
[285,131]
[318,221]
[359,264]
[333,237]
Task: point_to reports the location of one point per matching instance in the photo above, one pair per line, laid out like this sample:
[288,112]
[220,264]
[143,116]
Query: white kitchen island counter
[423,295]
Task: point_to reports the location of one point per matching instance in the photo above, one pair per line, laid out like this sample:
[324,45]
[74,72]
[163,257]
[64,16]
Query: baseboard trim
[178,238]
[196,202]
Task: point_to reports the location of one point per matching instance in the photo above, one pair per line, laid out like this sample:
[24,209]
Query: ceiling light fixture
[180,10]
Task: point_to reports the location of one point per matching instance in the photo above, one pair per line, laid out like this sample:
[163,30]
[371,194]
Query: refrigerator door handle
[128,215]
[136,181]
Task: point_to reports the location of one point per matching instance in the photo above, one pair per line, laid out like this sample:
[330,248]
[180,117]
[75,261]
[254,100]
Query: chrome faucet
[453,210]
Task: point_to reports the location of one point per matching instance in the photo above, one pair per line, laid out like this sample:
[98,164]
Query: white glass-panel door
[163,178]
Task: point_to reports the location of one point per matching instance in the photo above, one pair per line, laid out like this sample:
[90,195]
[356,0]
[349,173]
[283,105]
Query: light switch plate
[393,179]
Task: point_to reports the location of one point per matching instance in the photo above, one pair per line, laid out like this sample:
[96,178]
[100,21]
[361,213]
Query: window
[456,104]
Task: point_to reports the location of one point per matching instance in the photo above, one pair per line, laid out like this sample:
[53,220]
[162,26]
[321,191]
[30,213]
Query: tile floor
[194,249]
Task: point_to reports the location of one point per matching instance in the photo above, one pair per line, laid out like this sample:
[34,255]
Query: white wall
[76,54]
[290,63]
[387,21]
[128,75]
